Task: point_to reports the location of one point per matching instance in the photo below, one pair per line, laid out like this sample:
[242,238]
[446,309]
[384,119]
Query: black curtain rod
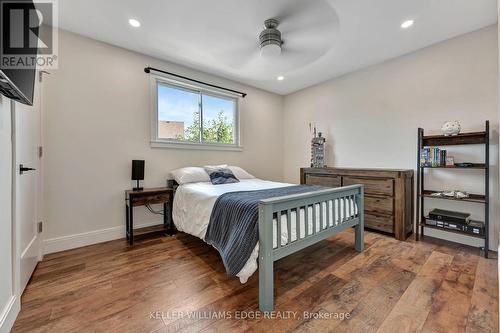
[149,69]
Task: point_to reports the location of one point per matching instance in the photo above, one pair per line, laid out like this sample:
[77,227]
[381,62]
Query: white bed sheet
[193,204]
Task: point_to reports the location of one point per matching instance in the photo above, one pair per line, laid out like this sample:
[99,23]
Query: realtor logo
[28,34]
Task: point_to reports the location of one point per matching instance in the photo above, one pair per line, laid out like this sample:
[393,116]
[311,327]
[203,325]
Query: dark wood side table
[149,196]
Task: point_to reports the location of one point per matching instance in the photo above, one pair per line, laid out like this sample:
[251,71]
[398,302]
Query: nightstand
[148,196]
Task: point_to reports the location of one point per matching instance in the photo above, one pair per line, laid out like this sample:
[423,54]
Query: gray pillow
[221,175]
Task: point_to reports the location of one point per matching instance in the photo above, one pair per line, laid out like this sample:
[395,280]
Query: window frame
[157,142]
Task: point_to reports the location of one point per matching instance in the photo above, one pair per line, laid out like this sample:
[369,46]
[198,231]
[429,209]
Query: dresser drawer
[379,204]
[383,186]
[380,222]
[323,180]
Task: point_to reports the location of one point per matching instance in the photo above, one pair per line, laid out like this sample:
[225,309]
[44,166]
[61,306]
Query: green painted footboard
[312,216]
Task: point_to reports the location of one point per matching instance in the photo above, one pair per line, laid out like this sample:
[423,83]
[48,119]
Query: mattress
[193,204]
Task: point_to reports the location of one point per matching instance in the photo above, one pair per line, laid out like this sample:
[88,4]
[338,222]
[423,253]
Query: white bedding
[193,204]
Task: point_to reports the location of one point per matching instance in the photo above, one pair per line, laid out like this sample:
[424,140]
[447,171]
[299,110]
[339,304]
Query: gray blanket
[233,228]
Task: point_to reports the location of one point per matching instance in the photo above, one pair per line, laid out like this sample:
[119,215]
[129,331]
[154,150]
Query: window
[187,116]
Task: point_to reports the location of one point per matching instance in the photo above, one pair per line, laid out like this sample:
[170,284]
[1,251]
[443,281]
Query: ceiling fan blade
[311,28]
[237,58]
[291,9]
[301,16]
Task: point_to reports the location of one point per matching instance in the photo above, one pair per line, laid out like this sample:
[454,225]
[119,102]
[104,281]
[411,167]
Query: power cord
[153,211]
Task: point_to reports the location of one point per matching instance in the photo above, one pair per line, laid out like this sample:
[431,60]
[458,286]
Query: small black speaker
[138,172]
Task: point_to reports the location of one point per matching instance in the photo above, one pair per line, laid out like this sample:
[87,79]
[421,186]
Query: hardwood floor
[179,284]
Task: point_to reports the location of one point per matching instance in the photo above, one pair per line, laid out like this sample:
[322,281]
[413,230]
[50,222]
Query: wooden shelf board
[472,197]
[149,230]
[460,139]
[450,230]
[474,166]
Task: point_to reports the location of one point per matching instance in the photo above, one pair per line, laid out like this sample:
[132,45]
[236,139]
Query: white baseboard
[74,241]
[9,314]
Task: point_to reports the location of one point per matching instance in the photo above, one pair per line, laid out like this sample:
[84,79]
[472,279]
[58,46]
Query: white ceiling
[322,38]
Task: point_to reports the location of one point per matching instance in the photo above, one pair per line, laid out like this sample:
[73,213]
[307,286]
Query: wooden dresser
[388,195]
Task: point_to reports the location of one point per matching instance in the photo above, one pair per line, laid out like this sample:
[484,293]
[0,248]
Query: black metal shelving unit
[474,138]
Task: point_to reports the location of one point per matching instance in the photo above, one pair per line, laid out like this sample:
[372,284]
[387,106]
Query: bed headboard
[172,184]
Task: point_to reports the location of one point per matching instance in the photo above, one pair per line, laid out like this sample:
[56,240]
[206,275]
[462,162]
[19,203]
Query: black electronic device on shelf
[449,216]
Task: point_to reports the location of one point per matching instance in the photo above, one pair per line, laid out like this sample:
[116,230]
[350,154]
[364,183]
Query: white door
[27,187]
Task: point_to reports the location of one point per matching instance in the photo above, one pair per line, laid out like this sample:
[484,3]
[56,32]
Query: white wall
[370,117]
[7,305]
[96,120]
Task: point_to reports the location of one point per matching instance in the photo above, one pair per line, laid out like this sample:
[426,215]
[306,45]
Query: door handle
[23,169]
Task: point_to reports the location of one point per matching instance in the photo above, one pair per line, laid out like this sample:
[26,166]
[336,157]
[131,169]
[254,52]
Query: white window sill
[195,146]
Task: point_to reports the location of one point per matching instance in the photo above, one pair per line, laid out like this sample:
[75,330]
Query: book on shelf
[432,157]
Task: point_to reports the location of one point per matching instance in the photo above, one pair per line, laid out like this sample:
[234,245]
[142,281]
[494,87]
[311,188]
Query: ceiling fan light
[270,51]
[270,39]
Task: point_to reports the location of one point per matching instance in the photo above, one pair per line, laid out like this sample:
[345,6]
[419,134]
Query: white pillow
[215,166]
[190,175]
[240,173]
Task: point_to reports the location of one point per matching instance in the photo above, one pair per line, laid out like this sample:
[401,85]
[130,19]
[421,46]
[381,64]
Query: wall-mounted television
[16,83]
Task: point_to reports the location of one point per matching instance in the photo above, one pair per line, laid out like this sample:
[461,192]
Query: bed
[304,219]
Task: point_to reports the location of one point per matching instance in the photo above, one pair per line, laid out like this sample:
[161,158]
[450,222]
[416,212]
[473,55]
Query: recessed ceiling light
[134,23]
[280,78]
[406,24]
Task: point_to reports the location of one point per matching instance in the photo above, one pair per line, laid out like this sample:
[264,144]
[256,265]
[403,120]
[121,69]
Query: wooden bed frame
[274,207]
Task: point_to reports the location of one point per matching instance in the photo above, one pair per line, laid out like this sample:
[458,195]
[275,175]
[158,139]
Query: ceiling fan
[270,39]
[294,34]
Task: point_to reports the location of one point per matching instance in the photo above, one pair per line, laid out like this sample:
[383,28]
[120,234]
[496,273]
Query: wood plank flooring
[178,283]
